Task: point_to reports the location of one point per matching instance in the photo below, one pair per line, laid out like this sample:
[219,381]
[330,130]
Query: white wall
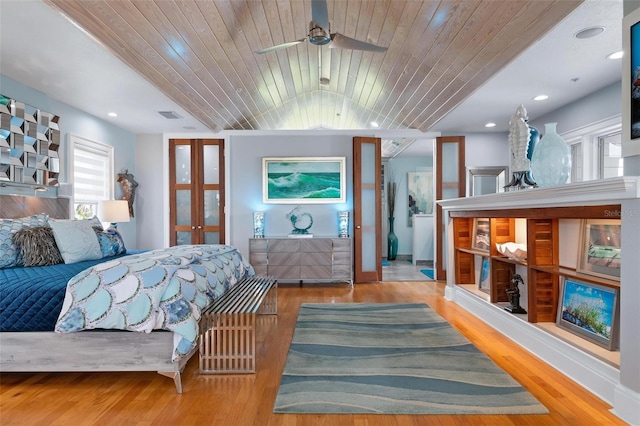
[487,149]
[602,104]
[152,204]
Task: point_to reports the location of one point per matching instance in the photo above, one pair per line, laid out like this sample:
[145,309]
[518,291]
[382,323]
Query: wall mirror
[486,180]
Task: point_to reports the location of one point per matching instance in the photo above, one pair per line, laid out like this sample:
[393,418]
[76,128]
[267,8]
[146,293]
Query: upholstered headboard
[14,206]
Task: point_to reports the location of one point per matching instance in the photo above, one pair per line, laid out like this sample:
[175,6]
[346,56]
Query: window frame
[588,137]
[77,142]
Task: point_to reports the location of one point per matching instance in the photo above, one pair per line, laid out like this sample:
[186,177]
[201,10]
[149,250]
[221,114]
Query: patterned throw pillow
[111,242]
[37,246]
[9,254]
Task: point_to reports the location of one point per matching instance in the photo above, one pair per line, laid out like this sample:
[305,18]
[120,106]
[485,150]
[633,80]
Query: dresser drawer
[258,245]
[284,246]
[285,272]
[342,258]
[283,259]
[316,272]
[323,258]
[315,245]
[342,244]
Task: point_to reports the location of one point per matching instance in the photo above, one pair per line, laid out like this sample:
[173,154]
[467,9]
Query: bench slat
[245,296]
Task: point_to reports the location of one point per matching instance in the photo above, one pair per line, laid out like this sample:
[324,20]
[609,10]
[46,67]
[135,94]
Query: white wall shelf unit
[615,379]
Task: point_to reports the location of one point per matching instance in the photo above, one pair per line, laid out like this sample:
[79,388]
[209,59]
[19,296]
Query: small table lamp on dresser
[113,211]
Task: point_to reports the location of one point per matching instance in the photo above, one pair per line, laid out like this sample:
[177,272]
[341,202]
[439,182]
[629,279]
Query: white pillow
[76,240]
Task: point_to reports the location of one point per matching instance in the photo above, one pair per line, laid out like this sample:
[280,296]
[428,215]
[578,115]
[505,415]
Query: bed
[80,316]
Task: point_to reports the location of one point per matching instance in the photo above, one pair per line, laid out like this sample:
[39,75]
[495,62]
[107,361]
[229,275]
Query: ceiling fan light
[317,35]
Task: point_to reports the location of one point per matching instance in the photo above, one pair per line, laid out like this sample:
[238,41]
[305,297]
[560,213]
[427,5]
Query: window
[596,150]
[611,161]
[92,175]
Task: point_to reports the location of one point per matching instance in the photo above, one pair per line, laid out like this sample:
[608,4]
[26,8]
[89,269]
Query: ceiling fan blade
[344,42]
[320,13]
[280,46]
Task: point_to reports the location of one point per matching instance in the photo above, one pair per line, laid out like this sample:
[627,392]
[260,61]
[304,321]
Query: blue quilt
[31,298]
[160,289]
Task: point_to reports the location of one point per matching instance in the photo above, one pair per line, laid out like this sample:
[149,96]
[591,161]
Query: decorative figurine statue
[514,296]
[129,186]
[520,136]
[300,225]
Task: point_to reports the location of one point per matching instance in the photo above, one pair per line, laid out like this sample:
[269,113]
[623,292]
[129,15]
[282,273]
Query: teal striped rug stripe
[391,359]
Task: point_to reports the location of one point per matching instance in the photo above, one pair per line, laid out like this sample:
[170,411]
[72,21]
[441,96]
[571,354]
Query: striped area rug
[391,359]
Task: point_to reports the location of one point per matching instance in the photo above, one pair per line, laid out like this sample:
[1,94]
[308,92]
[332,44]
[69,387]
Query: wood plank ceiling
[201,55]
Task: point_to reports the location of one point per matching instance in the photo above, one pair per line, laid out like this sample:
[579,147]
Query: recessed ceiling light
[540,98]
[490,124]
[615,55]
[374,124]
[589,32]
[113,114]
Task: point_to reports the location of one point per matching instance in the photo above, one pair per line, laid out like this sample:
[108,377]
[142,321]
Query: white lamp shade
[113,211]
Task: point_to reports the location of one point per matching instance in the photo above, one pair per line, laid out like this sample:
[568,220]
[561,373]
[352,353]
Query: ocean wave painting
[303,180]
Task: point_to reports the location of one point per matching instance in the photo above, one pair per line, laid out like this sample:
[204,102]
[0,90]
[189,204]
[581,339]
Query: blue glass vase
[551,160]
[392,242]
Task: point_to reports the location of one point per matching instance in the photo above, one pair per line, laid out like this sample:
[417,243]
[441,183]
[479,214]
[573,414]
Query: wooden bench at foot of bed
[227,327]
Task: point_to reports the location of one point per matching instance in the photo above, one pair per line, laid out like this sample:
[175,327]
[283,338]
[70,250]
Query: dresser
[302,259]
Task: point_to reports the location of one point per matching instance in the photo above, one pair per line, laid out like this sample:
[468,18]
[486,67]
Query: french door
[196,191]
[367,211]
[450,183]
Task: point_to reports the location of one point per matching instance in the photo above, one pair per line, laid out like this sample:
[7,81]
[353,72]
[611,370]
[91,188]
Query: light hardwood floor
[150,399]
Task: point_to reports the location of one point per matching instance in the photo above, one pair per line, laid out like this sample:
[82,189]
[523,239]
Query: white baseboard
[626,405]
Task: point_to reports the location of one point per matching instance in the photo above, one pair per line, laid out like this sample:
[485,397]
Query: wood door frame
[440,271]
[359,275]
[197,188]
[220,228]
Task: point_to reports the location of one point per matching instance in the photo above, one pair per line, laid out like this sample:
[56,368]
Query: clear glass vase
[551,160]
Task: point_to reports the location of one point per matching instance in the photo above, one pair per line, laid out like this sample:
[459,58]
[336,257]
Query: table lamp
[113,211]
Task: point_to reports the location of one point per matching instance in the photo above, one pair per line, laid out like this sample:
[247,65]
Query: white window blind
[92,171]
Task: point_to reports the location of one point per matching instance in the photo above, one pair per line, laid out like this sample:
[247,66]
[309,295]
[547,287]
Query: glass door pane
[183,207]
[211,164]
[212,238]
[211,208]
[368,198]
[183,164]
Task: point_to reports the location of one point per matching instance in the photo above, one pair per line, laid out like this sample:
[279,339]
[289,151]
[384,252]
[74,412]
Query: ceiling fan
[320,35]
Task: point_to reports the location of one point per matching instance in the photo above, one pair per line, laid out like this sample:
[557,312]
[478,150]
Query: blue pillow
[111,242]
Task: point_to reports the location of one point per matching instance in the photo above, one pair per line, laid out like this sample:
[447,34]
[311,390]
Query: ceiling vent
[170,115]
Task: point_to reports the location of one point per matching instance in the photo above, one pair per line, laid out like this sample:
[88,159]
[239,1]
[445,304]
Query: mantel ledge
[594,192]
